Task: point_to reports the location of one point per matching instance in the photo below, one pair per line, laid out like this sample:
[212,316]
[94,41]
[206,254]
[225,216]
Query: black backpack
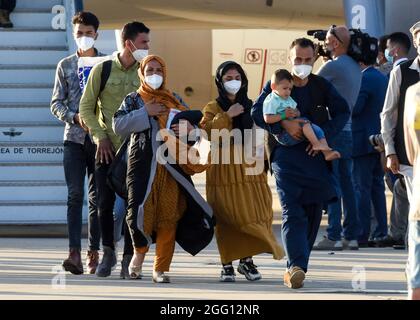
[105,73]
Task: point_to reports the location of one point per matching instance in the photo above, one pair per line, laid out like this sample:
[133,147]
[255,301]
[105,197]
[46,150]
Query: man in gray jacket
[79,150]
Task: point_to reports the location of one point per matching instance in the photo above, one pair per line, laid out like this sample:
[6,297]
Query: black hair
[282,74]
[402,39]
[244,120]
[132,29]
[303,43]
[382,43]
[86,18]
[370,59]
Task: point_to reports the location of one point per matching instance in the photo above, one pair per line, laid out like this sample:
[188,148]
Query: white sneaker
[328,245]
[351,244]
[135,266]
[160,277]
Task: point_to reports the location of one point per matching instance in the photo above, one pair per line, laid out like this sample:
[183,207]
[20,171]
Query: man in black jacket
[303,179]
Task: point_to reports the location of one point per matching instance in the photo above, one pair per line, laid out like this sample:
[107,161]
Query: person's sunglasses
[332,31]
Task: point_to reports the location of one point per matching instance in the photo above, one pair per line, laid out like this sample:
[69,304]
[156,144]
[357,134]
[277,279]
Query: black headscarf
[244,120]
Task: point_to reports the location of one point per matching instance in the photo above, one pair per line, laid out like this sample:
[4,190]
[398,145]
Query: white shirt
[412,142]
[399,61]
[389,113]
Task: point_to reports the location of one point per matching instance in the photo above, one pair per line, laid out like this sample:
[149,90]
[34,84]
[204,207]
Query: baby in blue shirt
[279,105]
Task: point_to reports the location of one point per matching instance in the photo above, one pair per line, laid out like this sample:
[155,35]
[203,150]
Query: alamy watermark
[58,282]
[358,281]
[58,22]
[221,147]
[359,19]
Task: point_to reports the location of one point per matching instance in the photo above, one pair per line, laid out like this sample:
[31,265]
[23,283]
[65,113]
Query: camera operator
[368,170]
[345,74]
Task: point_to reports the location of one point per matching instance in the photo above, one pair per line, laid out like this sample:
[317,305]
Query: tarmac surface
[30,268]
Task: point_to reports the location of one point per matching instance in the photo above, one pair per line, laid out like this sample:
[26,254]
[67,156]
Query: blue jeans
[79,160]
[119,217]
[413,265]
[287,140]
[121,226]
[343,180]
[370,188]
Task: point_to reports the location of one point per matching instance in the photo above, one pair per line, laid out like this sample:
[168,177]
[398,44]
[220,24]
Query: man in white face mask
[85,36]
[79,151]
[105,96]
[302,177]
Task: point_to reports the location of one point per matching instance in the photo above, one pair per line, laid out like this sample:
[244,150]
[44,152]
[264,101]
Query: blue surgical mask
[388,57]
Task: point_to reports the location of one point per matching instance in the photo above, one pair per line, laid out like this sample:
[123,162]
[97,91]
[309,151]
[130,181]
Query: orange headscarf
[161,95]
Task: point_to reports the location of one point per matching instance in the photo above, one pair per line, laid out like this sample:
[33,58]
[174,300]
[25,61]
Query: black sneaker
[367,244]
[227,274]
[249,270]
[385,242]
[399,245]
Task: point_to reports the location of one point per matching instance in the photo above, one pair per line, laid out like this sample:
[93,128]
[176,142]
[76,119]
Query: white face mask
[139,54]
[85,43]
[232,86]
[154,81]
[302,70]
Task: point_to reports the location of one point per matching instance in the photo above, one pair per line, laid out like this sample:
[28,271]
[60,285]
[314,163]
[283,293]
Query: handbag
[117,172]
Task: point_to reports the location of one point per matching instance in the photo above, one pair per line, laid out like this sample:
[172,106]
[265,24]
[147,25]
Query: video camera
[362,48]
[377,142]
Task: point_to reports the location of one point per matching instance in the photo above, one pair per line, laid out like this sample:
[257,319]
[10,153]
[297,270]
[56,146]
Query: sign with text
[31,153]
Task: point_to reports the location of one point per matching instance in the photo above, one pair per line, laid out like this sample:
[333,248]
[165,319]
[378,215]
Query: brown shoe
[5,19]
[92,261]
[294,277]
[73,263]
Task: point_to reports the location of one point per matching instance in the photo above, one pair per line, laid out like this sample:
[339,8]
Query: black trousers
[128,244]
[137,179]
[78,161]
[105,202]
[8,5]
